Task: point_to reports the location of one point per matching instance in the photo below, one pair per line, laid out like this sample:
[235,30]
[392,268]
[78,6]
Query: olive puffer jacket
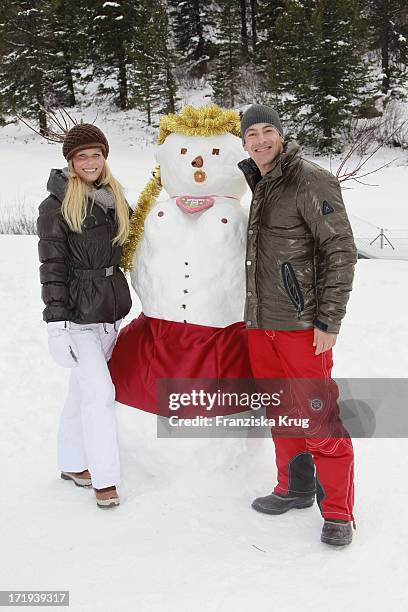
[79,272]
[300,248]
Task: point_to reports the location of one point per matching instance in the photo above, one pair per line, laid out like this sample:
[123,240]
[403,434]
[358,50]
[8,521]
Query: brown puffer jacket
[300,248]
[79,272]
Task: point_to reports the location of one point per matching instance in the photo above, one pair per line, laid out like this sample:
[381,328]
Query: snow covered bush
[17,220]
[393,125]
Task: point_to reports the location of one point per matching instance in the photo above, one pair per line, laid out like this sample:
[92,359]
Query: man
[300,266]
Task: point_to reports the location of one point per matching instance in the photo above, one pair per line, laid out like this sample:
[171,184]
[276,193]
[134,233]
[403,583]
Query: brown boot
[107,497]
[81,479]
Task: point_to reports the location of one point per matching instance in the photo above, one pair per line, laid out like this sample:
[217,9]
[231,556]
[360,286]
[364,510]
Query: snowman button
[183,306]
[186,276]
[160,213]
[224,220]
[185,291]
[186,263]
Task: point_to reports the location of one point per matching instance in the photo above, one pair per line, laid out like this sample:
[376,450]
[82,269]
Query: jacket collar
[290,153]
[57,184]
[250,171]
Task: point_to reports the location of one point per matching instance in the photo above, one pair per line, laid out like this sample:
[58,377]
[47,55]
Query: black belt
[101,273]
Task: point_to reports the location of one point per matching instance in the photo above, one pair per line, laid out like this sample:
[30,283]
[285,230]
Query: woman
[82,226]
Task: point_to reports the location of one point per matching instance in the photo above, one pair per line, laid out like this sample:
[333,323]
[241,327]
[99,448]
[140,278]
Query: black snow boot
[278,504]
[337,533]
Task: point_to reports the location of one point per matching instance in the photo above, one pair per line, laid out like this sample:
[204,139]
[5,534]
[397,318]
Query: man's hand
[323,341]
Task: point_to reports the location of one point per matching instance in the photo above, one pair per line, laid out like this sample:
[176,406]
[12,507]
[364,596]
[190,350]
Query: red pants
[291,354]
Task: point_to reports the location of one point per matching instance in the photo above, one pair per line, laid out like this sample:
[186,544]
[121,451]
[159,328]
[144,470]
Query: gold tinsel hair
[205,121]
[144,204]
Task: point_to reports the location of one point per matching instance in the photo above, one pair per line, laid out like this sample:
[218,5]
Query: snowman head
[201,165]
[198,154]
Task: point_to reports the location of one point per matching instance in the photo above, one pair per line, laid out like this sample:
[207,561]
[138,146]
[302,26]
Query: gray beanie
[259,113]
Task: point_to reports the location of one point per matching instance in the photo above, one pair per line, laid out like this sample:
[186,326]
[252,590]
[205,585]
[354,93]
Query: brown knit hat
[84,136]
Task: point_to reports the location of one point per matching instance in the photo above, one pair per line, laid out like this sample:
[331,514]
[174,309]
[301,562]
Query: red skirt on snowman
[149,349]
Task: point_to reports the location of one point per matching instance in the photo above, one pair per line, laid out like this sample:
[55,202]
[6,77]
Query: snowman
[186,257]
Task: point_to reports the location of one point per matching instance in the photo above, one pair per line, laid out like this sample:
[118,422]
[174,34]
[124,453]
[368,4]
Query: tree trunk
[231,72]
[41,114]
[149,112]
[385,57]
[199,52]
[327,133]
[71,101]
[122,79]
[253,26]
[244,31]
[170,89]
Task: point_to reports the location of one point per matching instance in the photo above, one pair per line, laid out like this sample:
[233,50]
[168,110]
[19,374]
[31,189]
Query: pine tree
[229,53]
[3,52]
[31,70]
[244,30]
[265,15]
[112,38]
[316,71]
[191,22]
[388,23]
[254,26]
[70,22]
[153,86]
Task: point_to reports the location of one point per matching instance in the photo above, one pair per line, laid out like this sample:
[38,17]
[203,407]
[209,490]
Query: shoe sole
[333,542]
[295,506]
[110,504]
[77,481]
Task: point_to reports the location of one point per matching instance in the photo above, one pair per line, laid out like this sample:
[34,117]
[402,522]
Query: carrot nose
[197,162]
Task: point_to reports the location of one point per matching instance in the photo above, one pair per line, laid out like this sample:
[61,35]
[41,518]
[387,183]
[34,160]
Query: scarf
[100,195]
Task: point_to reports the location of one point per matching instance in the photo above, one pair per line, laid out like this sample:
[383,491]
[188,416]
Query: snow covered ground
[185,537]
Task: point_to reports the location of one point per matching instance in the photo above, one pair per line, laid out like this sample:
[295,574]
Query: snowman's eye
[215,151]
[183,151]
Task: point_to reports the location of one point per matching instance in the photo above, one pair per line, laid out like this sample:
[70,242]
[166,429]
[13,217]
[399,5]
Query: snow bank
[185,538]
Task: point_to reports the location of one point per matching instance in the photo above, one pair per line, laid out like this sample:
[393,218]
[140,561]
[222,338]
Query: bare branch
[61,119]
[362,183]
[365,134]
[33,129]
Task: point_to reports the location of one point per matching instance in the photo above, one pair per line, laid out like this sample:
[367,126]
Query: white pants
[87,437]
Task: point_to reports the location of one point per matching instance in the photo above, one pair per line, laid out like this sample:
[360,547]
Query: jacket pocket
[292,287]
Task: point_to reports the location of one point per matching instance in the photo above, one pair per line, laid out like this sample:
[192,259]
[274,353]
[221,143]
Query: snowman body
[189,273]
[190,263]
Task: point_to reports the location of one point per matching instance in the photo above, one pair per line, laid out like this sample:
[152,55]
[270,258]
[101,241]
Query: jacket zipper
[110,261]
[292,287]
[257,258]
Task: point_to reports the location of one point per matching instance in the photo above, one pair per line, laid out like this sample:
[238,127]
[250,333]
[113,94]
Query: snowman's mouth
[193,204]
[200,176]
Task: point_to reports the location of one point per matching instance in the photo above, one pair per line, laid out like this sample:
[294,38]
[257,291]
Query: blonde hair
[75,203]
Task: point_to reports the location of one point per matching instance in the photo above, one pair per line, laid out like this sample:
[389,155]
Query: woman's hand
[61,345]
